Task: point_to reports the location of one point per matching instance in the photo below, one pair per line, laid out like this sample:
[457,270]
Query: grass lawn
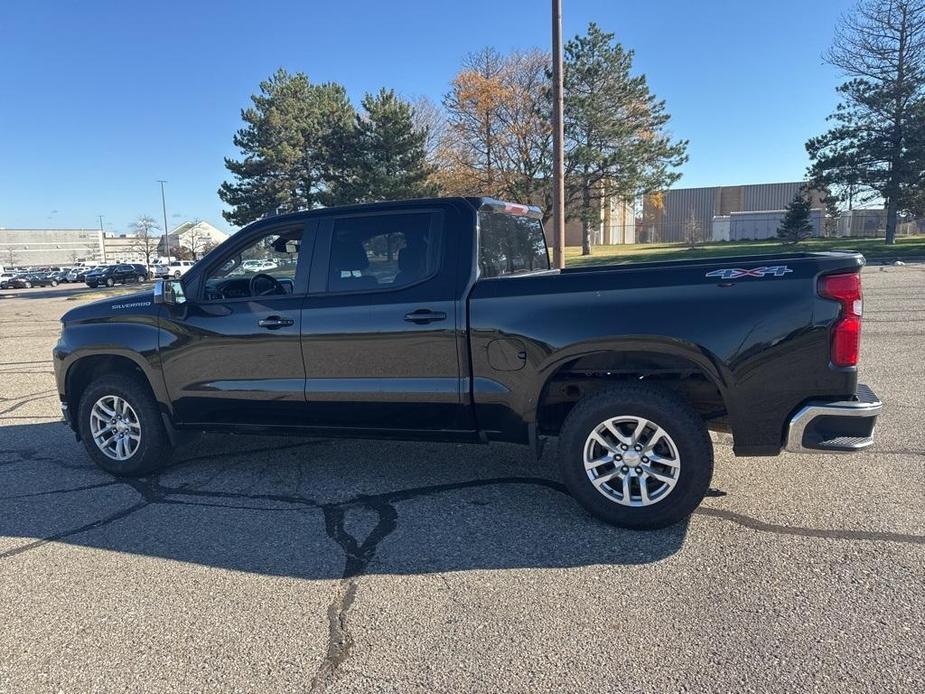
[905,247]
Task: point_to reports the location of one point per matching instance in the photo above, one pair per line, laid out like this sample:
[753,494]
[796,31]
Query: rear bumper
[835,427]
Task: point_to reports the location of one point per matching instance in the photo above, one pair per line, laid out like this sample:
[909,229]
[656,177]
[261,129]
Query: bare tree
[146,238]
[197,242]
[693,232]
[430,118]
[473,120]
[497,140]
[525,152]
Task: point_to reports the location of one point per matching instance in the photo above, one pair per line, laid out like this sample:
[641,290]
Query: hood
[121,306]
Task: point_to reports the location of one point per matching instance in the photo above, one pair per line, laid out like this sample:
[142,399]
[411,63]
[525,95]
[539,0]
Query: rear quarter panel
[763,341]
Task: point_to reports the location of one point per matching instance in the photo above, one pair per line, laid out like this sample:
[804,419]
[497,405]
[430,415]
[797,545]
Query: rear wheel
[141,278]
[636,456]
[121,427]
[177,274]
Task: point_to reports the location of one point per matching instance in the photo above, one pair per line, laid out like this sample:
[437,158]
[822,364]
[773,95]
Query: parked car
[28,280]
[46,278]
[175,269]
[442,319]
[111,275]
[61,275]
[6,279]
[258,265]
[79,274]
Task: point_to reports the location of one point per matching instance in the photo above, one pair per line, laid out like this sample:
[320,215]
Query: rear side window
[510,244]
[385,251]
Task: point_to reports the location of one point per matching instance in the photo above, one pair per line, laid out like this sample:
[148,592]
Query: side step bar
[835,427]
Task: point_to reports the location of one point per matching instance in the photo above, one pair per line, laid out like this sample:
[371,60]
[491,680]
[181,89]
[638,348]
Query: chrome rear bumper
[835,427]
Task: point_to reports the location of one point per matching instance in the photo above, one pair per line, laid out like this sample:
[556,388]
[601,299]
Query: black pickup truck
[441,319]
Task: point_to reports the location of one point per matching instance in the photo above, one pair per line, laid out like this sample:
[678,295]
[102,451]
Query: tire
[177,274]
[28,285]
[687,436]
[110,282]
[141,279]
[152,450]
[54,283]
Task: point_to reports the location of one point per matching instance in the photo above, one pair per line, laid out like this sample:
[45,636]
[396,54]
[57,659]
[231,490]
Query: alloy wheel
[115,427]
[631,460]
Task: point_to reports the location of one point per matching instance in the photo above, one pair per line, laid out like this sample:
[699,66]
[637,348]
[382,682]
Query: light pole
[166,231]
[558,158]
[102,240]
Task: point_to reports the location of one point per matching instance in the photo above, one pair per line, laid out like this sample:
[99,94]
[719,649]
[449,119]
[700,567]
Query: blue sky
[99,99]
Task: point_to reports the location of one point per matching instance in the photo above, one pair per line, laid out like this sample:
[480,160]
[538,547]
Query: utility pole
[166,231]
[102,248]
[558,157]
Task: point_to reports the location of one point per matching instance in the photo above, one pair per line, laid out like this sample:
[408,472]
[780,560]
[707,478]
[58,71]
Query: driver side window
[265,267]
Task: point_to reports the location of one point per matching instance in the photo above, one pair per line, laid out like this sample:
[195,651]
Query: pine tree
[796,224]
[386,158]
[876,148]
[615,134]
[285,145]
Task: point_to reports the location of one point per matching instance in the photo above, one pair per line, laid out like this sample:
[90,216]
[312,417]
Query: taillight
[846,333]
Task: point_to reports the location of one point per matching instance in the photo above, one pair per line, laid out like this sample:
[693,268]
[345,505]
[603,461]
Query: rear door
[379,326]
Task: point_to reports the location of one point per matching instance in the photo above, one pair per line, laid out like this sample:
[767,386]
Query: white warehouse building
[760,224]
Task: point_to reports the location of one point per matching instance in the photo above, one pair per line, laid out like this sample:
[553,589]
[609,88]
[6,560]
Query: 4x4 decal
[734,273]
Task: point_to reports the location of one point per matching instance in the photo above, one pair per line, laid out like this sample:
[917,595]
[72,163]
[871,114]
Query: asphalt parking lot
[299,564]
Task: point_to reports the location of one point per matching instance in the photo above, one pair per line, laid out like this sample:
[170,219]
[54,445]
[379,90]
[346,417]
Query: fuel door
[507,354]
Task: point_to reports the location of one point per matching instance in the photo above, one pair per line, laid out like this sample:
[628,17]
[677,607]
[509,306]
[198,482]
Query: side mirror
[168,292]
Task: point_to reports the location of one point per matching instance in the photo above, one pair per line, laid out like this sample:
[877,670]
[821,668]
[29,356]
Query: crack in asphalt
[25,400]
[358,555]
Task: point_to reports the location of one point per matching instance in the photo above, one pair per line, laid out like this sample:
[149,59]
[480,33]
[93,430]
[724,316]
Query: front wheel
[141,278]
[121,427]
[110,282]
[177,274]
[54,283]
[636,456]
[28,285]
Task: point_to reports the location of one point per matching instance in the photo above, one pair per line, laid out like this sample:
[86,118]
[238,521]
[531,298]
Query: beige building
[126,248]
[617,224]
[196,237]
[62,247]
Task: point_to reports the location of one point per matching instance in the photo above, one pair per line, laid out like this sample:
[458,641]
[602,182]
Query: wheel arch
[688,369]
[87,368]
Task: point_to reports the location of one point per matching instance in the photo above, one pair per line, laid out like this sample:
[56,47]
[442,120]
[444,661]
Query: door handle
[425,315]
[274,322]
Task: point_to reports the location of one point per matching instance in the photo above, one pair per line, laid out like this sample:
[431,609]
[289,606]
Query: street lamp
[164,209]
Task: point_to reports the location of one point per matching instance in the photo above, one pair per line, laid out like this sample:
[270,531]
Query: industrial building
[617,224]
[677,214]
[65,247]
[29,247]
[761,224]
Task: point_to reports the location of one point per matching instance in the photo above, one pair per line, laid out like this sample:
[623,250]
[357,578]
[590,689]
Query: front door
[231,354]
[379,337]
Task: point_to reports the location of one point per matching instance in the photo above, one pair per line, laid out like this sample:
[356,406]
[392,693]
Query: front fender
[134,341]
